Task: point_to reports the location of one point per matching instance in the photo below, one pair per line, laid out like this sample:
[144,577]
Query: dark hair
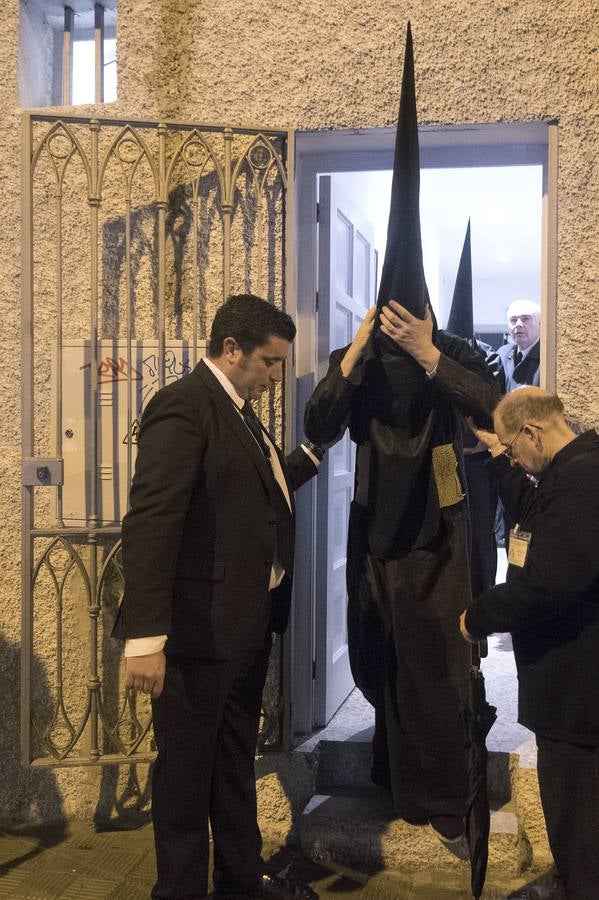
[519,407]
[251,321]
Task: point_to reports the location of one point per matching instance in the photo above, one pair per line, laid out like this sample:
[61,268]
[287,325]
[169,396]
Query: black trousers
[569,784]
[206,728]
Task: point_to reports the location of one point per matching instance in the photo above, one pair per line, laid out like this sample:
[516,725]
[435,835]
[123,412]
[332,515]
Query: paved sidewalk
[78,863]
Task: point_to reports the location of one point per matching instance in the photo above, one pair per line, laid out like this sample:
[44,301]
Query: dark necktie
[251,420]
[517,358]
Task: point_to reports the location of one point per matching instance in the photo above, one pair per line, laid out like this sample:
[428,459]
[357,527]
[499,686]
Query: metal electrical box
[118,419]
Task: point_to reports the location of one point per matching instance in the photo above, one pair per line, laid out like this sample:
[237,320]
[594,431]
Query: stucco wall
[337,65]
[313,65]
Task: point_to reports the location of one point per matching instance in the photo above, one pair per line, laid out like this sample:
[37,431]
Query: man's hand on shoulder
[488,438]
[146,673]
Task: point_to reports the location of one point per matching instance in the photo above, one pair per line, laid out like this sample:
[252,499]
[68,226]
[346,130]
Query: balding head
[530,422]
[527,404]
[524,322]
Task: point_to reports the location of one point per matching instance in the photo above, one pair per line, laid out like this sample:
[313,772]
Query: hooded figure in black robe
[482,494]
[403,388]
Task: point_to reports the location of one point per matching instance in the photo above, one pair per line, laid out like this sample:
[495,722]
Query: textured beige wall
[10,186]
[337,65]
[316,64]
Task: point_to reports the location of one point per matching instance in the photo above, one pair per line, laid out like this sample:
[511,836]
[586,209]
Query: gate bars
[153,200]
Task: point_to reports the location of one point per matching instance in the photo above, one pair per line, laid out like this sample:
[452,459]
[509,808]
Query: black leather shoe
[277,887]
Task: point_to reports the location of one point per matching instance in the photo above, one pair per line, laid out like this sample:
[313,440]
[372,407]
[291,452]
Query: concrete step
[357,827]
[332,881]
[427,886]
[348,764]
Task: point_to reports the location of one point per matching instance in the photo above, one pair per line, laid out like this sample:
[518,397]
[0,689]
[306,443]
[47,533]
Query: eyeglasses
[509,452]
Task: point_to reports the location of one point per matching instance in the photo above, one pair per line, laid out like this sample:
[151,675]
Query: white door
[346,290]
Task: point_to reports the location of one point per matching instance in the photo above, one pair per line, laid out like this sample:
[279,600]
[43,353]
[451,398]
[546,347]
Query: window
[68,52]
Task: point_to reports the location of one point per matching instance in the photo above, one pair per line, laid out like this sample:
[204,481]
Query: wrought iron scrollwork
[158,199]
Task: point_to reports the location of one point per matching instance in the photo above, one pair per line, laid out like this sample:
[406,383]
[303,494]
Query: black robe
[408,561]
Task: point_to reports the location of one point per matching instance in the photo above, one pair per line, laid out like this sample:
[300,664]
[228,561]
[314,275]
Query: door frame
[322,152]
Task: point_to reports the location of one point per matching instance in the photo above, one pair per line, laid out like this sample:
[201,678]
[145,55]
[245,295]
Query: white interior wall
[35,64]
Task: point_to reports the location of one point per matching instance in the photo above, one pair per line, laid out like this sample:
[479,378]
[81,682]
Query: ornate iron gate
[134,231]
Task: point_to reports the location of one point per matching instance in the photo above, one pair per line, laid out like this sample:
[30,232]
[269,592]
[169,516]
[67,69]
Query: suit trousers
[206,727]
[569,785]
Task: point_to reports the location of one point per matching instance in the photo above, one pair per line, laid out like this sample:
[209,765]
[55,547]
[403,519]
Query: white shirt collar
[528,349]
[227,385]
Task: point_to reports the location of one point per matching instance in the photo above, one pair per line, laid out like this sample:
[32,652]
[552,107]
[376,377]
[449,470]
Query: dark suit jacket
[205,521]
[512,376]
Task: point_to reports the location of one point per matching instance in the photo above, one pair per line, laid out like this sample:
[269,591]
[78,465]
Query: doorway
[503,178]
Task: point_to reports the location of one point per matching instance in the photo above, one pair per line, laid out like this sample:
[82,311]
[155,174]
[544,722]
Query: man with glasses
[550,604]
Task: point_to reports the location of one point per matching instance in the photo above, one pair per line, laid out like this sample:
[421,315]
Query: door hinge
[317,211]
[313,670]
[316,302]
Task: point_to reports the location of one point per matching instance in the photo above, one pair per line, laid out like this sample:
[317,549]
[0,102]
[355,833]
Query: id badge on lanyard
[519,546]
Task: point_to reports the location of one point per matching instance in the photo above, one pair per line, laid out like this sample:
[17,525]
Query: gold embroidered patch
[445,468]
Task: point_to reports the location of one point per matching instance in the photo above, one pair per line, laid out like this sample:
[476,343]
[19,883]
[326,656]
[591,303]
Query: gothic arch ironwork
[98,307]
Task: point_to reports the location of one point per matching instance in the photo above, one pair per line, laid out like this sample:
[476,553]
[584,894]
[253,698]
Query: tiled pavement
[76,863]
[79,863]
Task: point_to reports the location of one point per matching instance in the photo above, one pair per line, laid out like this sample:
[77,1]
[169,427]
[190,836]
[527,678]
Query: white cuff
[145,646]
[309,454]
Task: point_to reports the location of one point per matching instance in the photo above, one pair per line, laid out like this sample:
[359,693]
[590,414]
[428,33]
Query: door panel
[346,287]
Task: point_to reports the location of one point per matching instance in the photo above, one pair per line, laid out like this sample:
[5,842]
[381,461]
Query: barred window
[68,52]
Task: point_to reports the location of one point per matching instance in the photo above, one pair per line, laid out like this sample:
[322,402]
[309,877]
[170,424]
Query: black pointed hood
[403,272]
[402,408]
[461,317]
[398,385]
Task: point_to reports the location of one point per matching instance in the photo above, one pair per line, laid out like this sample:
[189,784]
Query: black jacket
[551,605]
[512,376]
[205,516]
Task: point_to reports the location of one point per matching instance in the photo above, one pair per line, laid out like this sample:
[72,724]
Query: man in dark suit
[550,604]
[520,361]
[208,560]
